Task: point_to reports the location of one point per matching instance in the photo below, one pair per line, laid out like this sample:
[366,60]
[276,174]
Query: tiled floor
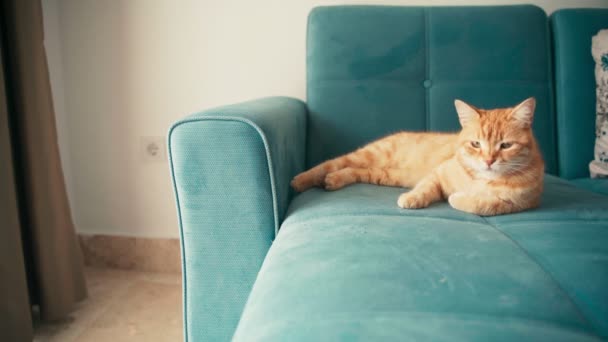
[122,306]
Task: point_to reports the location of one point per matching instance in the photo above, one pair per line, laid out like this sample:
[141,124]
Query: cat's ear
[466,112]
[523,113]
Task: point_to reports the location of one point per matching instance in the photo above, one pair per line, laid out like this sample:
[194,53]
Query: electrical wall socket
[153,149]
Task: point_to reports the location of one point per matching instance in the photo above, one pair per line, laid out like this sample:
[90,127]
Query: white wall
[54,59]
[122,69]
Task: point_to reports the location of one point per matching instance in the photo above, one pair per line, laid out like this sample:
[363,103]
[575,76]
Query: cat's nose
[489,162]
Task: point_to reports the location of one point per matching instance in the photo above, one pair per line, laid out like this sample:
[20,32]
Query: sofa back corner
[575,94]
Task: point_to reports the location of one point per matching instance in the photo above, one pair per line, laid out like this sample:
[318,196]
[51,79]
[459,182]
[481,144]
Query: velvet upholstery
[350,265]
[575,86]
[374,70]
[231,168]
[593,184]
[575,92]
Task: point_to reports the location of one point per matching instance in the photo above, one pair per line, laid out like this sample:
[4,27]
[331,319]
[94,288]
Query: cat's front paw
[411,200]
[462,202]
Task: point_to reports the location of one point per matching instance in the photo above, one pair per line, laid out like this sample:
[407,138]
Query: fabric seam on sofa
[546,272]
[427,59]
[179,213]
[551,86]
[443,315]
[585,220]
[416,83]
[179,219]
[559,101]
[350,215]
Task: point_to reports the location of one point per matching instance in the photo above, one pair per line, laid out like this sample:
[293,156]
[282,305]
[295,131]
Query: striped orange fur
[492,166]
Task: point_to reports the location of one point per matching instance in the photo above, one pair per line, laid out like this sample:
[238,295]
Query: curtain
[53,260]
[15,314]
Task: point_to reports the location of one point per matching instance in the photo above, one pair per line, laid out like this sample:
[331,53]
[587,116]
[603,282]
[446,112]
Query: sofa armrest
[231,168]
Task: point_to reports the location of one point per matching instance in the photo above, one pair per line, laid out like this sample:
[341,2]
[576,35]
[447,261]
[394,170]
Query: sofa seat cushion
[599,185]
[351,265]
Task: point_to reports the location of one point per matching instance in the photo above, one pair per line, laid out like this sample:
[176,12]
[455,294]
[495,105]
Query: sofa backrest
[575,87]
[374,70]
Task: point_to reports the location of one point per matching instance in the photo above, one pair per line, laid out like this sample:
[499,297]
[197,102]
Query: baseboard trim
[131,253]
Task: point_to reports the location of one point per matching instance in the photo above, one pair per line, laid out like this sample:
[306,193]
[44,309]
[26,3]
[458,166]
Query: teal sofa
[262,263]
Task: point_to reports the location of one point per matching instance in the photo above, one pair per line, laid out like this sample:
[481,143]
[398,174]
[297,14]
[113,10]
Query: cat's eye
[505,145]
[475,144]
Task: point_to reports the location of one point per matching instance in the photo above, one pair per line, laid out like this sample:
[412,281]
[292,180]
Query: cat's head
[496,142]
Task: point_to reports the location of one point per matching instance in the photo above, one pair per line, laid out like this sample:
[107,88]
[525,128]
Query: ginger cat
[492,166]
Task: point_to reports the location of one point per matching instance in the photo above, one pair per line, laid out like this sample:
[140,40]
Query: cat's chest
[468,184]
[454,178]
